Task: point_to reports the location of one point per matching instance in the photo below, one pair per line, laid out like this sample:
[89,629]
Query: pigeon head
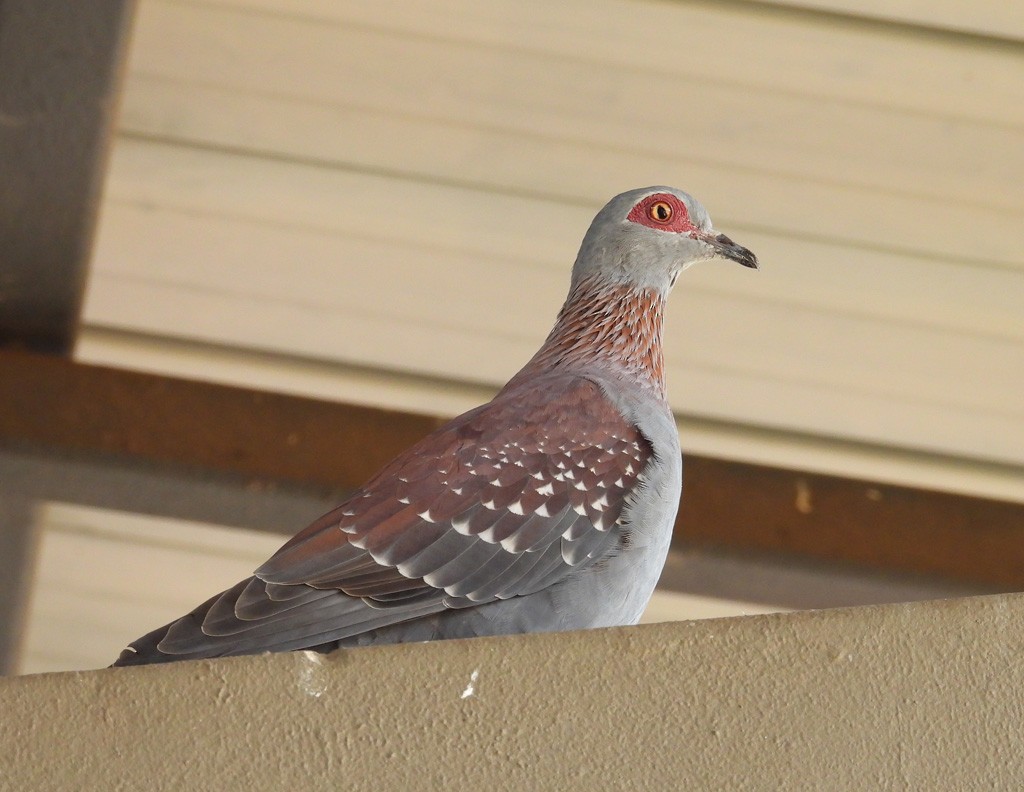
[628,262]
[644,238]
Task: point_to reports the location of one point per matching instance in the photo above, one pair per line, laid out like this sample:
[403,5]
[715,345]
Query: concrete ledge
[922,696]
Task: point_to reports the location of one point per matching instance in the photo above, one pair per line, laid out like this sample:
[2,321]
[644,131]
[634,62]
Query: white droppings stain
[310,681]
[803,497]
[471,687]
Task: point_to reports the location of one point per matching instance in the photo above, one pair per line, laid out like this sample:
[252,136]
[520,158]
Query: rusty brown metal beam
[744,509]
[759,510]
[264,436]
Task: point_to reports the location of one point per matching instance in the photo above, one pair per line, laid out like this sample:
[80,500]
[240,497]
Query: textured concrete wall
[924,696]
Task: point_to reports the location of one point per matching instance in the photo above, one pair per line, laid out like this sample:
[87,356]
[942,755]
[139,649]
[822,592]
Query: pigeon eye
[660,212]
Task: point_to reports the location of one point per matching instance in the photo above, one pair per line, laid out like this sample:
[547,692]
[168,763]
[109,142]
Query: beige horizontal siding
[759,43]
[104,578]
[1002,19]
[294,258]
[402,186]
[536,121]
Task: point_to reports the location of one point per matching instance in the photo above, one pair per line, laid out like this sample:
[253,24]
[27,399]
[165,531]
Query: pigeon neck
[611,325]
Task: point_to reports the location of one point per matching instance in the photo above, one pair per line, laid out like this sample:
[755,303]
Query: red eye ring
[660,212]
[663,212]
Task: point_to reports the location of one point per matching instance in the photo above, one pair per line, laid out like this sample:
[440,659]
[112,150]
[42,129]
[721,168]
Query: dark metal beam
[141,487]
[753,510]
[797,584]
[764,511]
[53,403]
[60,66]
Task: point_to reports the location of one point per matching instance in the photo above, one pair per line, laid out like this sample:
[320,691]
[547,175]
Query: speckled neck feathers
[610,325]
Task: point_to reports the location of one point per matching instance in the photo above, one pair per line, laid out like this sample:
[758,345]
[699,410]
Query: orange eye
[660,212]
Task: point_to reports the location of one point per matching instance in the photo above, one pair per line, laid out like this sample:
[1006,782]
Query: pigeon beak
[726,248]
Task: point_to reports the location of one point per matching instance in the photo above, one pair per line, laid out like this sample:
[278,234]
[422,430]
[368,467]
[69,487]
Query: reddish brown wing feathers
[504,501]
[516,492]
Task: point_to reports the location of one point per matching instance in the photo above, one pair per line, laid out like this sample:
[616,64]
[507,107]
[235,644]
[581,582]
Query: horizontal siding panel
[728,43]
[792,141]
[512,120]
[997,18]
[298,215]
[805,209]
[289,328]
[310,261]
[329,273]
[104,578]
[330,269]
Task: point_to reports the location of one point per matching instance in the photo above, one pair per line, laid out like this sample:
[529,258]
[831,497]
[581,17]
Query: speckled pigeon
[548,508]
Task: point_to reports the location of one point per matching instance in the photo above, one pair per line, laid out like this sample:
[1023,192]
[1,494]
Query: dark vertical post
[18,540]
[60,66]
[60,69]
